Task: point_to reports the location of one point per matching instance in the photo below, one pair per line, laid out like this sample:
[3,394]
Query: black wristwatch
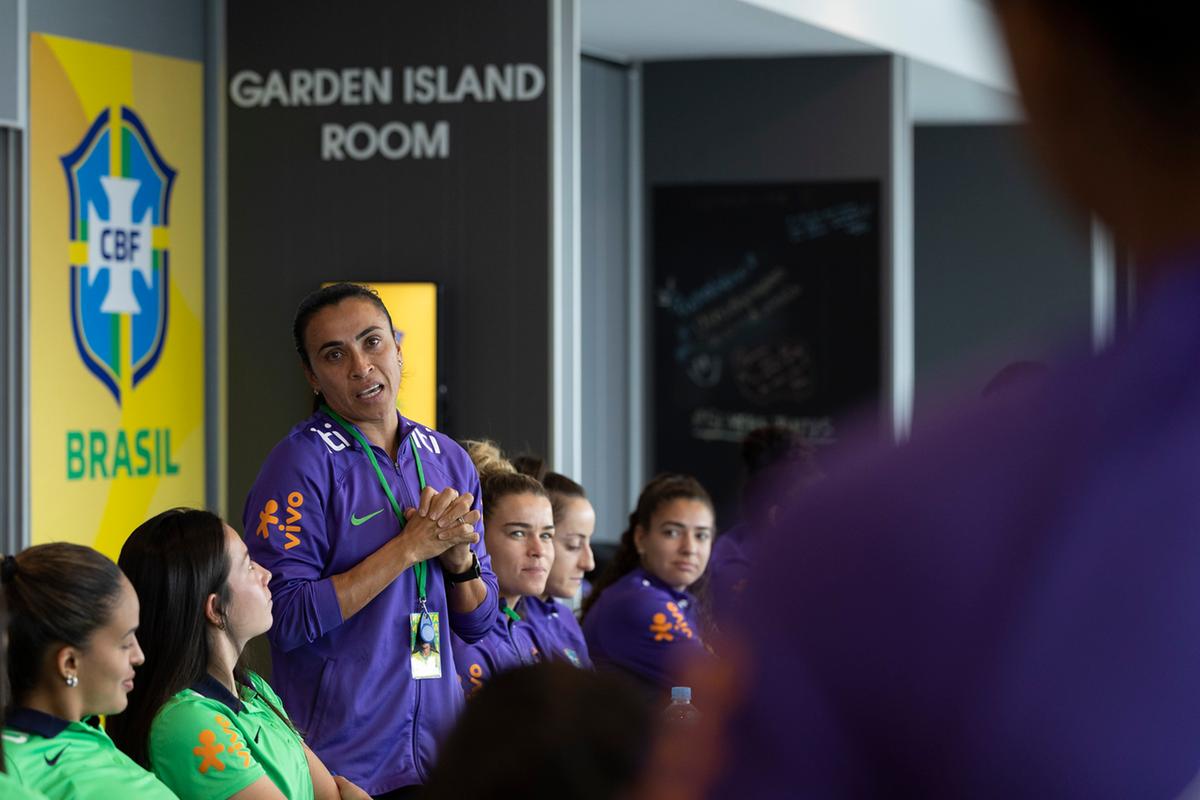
[471,574]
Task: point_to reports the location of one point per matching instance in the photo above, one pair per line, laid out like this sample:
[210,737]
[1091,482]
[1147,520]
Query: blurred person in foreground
[777,465]
[1009,605]
[551,731]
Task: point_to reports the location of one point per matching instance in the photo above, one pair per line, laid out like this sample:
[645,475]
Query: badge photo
[426,645]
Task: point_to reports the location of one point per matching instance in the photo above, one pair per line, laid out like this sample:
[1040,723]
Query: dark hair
[498,478]
[531,465]
[768,445]
[777,463]
[559,487]
[175,560]
[661,490]
[57,594]
[607,724]
[323,298]
[1158,63]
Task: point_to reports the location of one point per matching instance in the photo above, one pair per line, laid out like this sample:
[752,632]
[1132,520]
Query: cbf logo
[120,190]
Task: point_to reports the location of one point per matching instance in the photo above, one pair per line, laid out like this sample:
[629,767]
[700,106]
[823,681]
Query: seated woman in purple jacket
[555,629]
[640,618]
[518,527]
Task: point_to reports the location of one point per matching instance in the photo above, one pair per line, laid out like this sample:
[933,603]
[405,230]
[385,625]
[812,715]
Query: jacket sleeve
[286,532]
[474,625]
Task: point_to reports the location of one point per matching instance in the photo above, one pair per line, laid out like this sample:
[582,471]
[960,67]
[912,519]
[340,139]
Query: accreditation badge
[425,638]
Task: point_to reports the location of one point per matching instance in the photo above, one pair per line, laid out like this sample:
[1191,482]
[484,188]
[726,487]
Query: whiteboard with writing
[766,311]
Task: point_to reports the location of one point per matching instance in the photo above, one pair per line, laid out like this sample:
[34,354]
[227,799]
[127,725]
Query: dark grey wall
[766,120]
[604,258]
[1002,267]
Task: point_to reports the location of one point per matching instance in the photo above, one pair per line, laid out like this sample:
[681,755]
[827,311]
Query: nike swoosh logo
[356,521]
[50,762]
[257,735]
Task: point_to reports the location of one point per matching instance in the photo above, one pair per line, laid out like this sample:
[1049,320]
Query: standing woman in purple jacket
[370,526]
[640,618]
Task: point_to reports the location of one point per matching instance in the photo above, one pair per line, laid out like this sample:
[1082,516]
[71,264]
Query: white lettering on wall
[366,86]
[361,141]
[352,86]
[500,83]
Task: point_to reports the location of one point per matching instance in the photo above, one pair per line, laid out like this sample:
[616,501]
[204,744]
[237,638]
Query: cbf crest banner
[120,192]
[116,289]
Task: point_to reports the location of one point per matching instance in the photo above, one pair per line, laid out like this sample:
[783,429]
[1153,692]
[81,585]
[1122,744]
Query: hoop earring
[72,681]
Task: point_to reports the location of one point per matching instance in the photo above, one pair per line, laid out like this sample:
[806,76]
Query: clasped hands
[442,527]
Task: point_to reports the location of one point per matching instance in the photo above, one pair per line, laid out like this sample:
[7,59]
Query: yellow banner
[116,190]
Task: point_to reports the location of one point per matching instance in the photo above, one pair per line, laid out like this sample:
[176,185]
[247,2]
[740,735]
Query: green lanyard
[421,569]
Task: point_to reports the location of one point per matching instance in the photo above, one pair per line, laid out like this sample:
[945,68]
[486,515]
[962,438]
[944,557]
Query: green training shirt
[71,761]
[207,744]
[11,790]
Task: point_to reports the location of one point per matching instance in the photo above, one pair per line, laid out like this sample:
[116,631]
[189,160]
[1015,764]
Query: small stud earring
[316,391]
[72,681]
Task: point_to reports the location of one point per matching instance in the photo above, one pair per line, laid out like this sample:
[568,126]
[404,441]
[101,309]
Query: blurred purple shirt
[1007,606]
[729,571]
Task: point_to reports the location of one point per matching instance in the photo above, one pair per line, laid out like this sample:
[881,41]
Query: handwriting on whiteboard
[851,219]
[717,425]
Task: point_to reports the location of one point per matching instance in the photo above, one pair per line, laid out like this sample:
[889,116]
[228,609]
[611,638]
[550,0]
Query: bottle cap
[681,693]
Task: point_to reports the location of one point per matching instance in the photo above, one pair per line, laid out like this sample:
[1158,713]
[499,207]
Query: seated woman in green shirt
[203,724]
[9,788]
[73,647]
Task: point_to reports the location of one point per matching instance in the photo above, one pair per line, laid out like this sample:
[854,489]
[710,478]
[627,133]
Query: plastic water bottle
[681,713]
